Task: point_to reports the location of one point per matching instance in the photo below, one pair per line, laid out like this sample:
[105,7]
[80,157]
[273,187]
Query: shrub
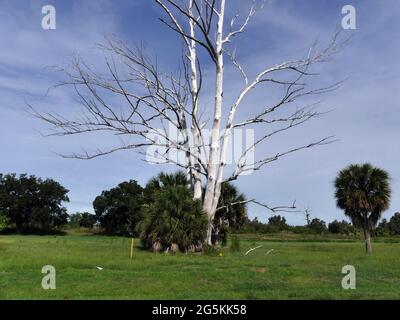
[235,244]
[3,221]
[255,226]
[173,218]
[210,250]
[341,227]
[300,229]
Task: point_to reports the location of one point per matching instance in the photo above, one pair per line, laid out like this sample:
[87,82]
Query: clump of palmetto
[173,220]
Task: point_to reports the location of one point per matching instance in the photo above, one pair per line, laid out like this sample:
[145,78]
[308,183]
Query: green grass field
[293,270]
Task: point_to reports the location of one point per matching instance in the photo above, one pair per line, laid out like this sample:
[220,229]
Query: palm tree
[164,180]
[363,192]
[231,211]
[173,220]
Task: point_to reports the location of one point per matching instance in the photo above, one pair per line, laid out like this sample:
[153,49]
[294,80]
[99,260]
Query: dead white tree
[151,102]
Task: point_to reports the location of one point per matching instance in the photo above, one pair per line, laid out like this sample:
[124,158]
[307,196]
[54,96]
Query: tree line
[166,215]
[163,214]
[277,224]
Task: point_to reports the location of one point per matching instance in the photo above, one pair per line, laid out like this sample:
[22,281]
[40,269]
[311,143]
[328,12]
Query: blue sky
[364,117]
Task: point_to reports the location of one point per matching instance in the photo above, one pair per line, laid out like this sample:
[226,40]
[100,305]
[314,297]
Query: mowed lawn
[293,270]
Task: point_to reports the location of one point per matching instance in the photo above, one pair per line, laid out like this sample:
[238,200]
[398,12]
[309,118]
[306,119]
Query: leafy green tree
[74,219]
[32,204]
[255,226]
[87,220]
[82,219]
[231,213]
[382,229]
[318,226]
[363,192]
[394,224]
[334,227]
[173,220]
[120,209]
[278,222]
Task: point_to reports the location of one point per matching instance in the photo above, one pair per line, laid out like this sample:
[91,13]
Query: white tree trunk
[213,166]
[194,94]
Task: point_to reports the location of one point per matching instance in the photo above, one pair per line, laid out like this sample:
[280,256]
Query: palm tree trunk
[367,237]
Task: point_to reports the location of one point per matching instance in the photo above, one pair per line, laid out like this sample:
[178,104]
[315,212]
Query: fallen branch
[252,249]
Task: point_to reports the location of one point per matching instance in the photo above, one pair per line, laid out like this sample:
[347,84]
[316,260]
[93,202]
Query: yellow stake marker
[132,248]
